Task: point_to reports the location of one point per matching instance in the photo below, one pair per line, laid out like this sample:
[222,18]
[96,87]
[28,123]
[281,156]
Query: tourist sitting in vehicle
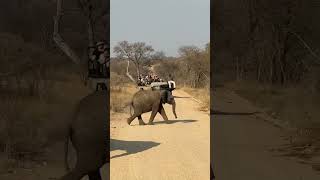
[98,60]
[102,56]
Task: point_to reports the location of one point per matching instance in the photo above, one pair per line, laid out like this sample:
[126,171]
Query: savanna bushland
[43,53]
[268,53]
[190,70]
[166,145]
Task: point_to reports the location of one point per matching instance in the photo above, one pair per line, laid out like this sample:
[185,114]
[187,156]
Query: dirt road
[175,151]
[242,144]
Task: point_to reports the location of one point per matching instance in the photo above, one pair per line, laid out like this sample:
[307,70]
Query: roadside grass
[294,106]
[201,94]
[120,97]
[121,92]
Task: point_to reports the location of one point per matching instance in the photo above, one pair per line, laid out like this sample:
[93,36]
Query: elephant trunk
[130,107]
[174,108]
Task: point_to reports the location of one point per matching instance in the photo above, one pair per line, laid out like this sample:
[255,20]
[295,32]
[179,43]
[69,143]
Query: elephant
[89,133]
[151,100]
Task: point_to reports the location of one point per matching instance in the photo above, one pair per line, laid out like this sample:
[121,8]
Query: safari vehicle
[169,85]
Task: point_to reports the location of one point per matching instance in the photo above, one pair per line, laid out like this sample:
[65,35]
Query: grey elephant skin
[151,100]
[89,134]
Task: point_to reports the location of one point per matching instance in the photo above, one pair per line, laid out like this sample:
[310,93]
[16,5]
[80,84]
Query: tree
[269,41]
[194,65]
[94,11]
[159,55]
[137,53]
[186,51]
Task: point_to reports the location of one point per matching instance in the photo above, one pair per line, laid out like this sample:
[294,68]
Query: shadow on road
[215,112]
[175,121]
[131,147]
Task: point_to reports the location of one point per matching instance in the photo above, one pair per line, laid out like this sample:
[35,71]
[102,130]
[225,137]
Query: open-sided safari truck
[169,85]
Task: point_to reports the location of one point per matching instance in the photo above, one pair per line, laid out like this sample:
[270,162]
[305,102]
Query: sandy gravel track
[242,144]
[175,151]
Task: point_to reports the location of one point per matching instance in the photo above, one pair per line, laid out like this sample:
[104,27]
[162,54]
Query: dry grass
[29,124]
[202,94]
[36,102]
[121,92]
[121,96]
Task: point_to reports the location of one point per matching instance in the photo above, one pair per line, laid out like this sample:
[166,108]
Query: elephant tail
[66,152]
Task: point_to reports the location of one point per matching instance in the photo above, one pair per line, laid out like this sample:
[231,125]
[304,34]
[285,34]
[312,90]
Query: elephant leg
[141,121]
[163,114]
[153,114]
[95,175]
[130,119]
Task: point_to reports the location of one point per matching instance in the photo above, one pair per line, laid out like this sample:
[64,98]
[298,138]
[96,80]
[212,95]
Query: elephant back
[143,100]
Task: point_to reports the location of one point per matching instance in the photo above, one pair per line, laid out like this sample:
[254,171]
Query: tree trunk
[271,69]
[59,40]
[259,66]
[138,70]
[237,69]
[128,74]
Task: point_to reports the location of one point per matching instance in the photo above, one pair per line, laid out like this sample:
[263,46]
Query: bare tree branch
[59,40]
[90,31]
[135,52]
[305,45]
[205,76]
[128,74]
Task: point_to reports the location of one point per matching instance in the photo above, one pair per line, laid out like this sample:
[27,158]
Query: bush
[21,134]
[36,100]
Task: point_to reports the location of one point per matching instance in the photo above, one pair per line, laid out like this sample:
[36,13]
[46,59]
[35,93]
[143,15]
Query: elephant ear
[170,97]
[164,96]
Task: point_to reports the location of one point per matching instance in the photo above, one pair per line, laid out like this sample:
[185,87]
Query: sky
[164,24]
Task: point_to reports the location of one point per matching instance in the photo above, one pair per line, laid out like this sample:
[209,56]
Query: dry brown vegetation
[267,52]
[120,93]
[29,125]
[37,95]
[202,95]
[191,71]
[39,85]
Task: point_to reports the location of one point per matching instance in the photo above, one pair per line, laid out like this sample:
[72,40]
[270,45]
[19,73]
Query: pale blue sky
[164,24]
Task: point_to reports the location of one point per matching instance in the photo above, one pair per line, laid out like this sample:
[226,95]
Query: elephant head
[167,97]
